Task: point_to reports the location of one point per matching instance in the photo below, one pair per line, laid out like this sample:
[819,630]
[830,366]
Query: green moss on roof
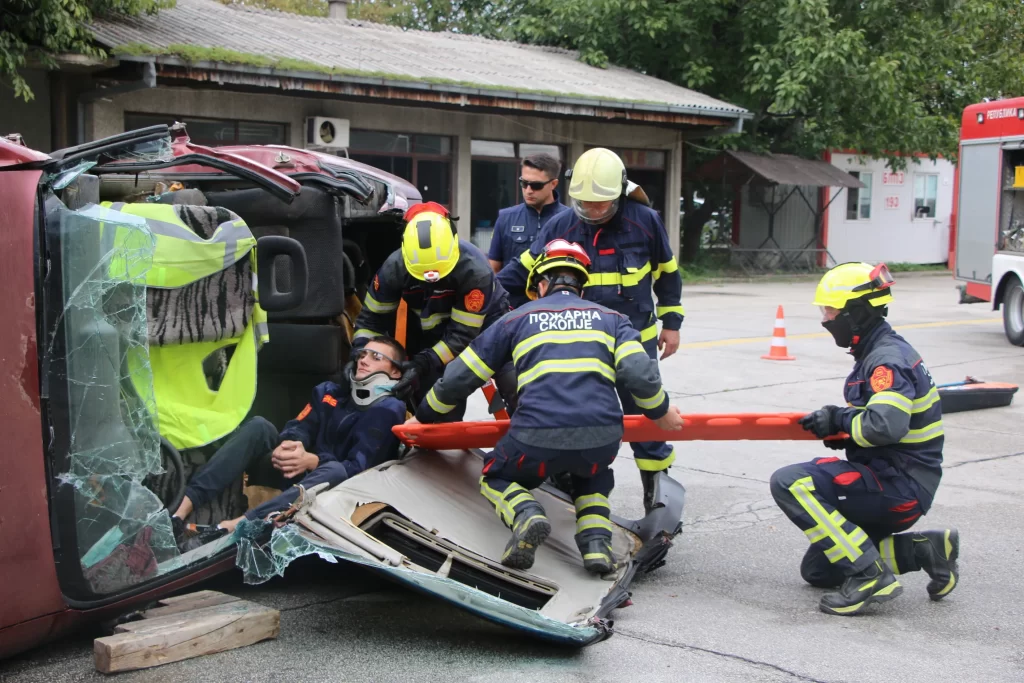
[192,53]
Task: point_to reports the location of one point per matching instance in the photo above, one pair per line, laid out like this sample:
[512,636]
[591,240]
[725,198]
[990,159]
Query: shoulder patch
[474,301]
[376,282]
[881,379]
[330,400]
[305,412]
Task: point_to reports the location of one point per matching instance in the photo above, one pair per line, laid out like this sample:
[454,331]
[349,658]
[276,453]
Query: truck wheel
[1013,312]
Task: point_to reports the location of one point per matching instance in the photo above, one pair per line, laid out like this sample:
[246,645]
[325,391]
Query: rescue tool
[696,427]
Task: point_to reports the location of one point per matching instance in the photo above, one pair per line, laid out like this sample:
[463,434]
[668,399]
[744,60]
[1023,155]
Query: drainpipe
[148,81]
[337,9]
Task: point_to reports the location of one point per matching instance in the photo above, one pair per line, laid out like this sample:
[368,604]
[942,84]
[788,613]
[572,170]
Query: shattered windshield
[124,477]
[123,531]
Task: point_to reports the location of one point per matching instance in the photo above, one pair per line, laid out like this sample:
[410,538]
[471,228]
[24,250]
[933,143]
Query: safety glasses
[375,355]
[881,278]
[535,185]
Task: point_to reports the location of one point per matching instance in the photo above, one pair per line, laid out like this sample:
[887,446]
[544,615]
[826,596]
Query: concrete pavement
[730,604]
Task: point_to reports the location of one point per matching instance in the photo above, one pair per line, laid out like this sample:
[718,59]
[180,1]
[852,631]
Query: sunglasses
[375,355]
[535,185]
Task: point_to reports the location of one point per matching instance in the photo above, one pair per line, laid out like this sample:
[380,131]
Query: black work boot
[529,530]
[647,478]
[874,584]
[597,555]
[936,552]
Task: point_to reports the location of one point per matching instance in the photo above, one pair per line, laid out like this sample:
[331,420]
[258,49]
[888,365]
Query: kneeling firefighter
[449,286]
[853,510]
[563,348]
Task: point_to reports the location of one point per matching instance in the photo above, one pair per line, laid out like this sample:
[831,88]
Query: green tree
[36,31]
[885,77]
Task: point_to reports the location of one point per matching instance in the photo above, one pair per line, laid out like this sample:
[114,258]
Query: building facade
[452,114]
[899,217]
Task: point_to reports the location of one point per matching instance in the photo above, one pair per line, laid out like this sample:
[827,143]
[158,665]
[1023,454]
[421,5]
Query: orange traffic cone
[779,350]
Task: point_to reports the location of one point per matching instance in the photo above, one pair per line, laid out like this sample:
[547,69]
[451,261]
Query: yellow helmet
[430,246]
[558,253]
[598,176]
[851,281]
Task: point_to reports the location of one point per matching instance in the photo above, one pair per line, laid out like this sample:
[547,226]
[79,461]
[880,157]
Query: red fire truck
[988,210]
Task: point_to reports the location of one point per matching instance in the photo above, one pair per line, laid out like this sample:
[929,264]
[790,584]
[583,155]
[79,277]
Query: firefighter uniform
[853,510]
[454,297]
[565,351]
[630,259]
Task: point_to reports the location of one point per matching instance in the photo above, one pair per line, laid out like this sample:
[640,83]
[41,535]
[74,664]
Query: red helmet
[558,253]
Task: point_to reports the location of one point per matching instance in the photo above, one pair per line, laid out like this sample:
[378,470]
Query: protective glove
[823,422]
[837,444]
[413,372]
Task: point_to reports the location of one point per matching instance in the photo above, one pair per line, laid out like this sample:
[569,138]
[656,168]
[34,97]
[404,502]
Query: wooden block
[207,628]
[184,603]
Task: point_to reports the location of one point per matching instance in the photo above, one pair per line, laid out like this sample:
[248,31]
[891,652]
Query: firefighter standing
[629,256]
[449,286]
[563,348]
[853,510]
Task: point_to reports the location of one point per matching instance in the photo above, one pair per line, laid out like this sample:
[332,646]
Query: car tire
[1013,312]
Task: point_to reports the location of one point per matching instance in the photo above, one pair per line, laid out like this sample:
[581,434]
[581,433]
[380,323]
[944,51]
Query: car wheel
[1013,313]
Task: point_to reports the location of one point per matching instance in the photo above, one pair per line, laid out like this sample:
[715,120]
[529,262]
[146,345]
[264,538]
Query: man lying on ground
[341,432]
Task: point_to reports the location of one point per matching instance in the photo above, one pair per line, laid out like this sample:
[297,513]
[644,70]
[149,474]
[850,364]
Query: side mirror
[268,249]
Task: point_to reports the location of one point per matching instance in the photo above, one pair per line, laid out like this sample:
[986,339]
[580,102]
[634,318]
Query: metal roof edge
[455,88]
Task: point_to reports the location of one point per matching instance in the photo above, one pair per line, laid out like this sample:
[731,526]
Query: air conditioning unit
[326,133]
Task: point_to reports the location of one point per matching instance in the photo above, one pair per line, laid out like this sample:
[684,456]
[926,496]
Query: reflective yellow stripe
[501,505]
[631,279]
[467,319]
[858,432]
[652,465]
[927,401]
[663,310]
[932,431]
[473,362]
[891,398]
[649,333]
[584,502]
[497,499]
[649,403]
[443,352]
[888,554]
[378,307]
[669,266]
[527,259]
[363,332]
[520,497]
[568,365]
[592,522]
[436,404]
[628,349]
[432,321]
[844,544]
[562,337]
[597,556]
